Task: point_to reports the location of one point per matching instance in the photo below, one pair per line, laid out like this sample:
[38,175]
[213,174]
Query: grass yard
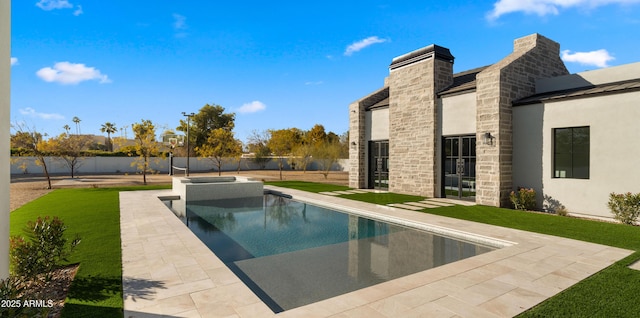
[94,214]
[97,288]
[382,198]
[308,186]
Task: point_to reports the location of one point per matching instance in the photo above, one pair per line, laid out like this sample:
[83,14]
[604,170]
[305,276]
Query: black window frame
[571,156]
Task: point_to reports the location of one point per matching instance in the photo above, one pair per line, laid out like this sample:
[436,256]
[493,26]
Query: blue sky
[275,64]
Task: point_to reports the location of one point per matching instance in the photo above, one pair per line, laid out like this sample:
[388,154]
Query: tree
[315,135]
[69,148]
[66,128]
[282,142]
[258,147]
[219,146]
[109,128]
[238,156]
[302,156]
[145,147]
[76,120]
[208,118]
[327,153]
[34,145]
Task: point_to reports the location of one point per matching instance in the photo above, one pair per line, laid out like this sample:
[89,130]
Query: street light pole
[188,124]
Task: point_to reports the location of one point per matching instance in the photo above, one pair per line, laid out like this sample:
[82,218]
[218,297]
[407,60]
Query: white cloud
[78,11]
[546,7]
[14,61]
[359,45]
[53,4]
[314,83]
[33,113]
[71,73]
[179,25]
[252,107]
[597,58]
[49,5]
[179,22]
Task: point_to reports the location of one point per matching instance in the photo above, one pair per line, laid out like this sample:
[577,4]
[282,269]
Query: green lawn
[97,288]
[376,198]
[382,198]
[612,292]
[93,214]
[307,186]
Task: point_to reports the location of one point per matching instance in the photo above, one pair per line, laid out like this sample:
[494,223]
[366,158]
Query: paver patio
[169,272]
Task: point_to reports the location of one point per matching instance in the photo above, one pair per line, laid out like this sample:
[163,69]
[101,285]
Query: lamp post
[188,124]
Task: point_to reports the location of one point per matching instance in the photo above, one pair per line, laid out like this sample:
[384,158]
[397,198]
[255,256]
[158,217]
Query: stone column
[414,80]
[358,155]
[497,86]
[5,103]
[357,145]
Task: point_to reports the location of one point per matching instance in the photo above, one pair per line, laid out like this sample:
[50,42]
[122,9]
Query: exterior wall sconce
[487,139]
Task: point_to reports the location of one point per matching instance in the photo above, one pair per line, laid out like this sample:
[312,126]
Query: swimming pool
[291,253]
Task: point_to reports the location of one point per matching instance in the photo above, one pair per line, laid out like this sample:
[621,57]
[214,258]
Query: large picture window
[571,152]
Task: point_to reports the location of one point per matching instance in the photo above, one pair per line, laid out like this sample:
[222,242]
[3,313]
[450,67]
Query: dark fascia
[439,52]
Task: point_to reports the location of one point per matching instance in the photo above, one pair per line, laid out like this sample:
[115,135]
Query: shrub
[523,199]
[44,248]
[562,211]
[625,207]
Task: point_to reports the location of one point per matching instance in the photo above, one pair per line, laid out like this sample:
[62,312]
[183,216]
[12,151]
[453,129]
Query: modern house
[480,134]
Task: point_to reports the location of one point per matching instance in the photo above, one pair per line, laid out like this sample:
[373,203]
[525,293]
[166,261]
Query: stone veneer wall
[358,151]
[412,120]
[533,57]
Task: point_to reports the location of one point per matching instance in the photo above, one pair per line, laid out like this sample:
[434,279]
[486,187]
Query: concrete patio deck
[169,272]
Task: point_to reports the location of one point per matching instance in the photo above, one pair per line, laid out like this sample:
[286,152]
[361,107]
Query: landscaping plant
[43,249]
[524,199]
[625,207]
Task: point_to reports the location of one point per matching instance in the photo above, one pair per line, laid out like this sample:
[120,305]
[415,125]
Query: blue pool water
[291,253]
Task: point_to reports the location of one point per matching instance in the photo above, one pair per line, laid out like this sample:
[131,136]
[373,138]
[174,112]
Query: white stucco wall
[377,124]
[458,114]
[5,105]
[614,151]
[601,76]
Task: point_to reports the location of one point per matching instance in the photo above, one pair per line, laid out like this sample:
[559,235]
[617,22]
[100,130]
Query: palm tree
[67,128]
[109,128]
[77,121]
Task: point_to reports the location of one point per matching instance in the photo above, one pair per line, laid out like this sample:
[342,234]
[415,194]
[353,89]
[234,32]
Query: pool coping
[169,272]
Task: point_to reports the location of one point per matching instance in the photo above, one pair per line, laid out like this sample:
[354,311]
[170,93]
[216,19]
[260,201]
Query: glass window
[571,152]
